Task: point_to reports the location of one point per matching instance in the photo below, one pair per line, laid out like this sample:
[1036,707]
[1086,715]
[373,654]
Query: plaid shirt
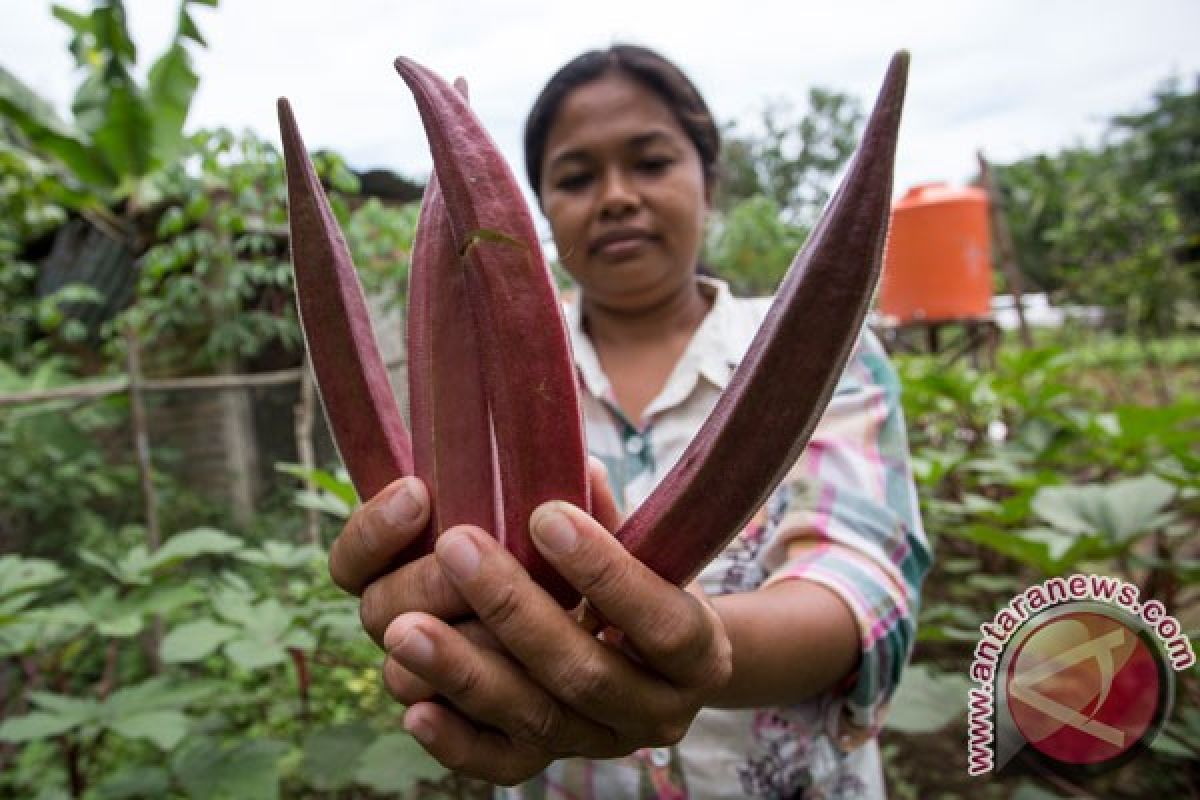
[845,517]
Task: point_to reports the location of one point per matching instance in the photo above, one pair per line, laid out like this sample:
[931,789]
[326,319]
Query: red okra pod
[528,371]
[355,391]
[451,427]
[764,419]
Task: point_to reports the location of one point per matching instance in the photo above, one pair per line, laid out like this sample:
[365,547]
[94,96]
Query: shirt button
[635,445]
[660,756]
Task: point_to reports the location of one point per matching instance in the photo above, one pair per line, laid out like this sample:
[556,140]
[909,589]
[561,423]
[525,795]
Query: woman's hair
[647,68]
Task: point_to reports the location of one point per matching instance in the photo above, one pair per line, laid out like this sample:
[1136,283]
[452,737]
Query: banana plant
[121,132]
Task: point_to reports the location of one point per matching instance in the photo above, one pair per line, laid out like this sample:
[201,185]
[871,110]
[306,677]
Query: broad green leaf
[122,626]
[38,122]
[331,755]
[36,725]
[97,560]
[1167,745]
[345,623]
[1119,511]
[394,762]
[249,771]
[165,728]
[1025,549]
[338,484]
[927,701]
[125,136]
[135,783]
[197,542]
[19,574]
[299,639]
[194,641]
[324,502]
[79,23]
[169,89]
[283,555]
[250,654]
[78,708]
[157,694]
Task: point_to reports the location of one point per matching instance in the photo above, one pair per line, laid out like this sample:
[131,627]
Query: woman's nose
[618,196]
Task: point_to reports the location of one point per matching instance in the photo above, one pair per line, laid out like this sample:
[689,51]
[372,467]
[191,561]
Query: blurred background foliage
[225,664]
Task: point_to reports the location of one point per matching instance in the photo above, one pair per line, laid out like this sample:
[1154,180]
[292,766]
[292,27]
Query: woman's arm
[791,640]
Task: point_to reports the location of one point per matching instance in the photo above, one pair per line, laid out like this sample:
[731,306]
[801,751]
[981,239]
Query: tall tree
[795,156]
[774,183]
[1117,225]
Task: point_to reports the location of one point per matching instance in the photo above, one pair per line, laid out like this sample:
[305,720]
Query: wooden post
[141,440]
[1004,247]
[141,449]
[304,413]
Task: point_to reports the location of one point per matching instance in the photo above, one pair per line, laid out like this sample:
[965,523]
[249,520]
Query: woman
[769,676]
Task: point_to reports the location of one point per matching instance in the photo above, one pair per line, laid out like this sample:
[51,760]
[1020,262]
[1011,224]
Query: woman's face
[624,191]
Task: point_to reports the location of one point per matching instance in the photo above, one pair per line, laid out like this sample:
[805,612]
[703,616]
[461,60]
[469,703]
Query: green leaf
[250,654]
[38,122]
[165,728]
[19,574]
[135,782]
[36,725]
[927,701]
[1167,745]
[338,485]
[78,23]
[331,755]
[194,641]
[249,771]
[1119,511]
[1041,548]
[79,708]
[188,30]
[282,555]
[157,694]
[197,542]
[170,87]
[394,762]
[126,133]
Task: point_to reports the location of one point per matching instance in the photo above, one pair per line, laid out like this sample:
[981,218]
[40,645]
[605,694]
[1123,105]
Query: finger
[586,674]
[675,633]
[604,505]
[418,586]
[408,688]
[491,689]
[377,532]
[470,749]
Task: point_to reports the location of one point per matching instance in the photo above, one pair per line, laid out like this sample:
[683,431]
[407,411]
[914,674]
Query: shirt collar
[714,352]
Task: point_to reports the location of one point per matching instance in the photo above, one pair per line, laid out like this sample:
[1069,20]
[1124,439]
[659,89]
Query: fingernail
[419,728]
[458,555]
[554,532]
[403,507]
[414,649]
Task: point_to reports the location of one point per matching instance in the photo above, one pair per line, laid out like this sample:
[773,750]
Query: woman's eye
[573,182]
[654,165]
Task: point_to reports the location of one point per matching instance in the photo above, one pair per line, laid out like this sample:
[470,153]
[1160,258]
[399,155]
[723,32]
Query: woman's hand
[537,685]
[362,558]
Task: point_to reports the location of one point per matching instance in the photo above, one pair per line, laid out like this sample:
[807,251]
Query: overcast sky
[1009,78]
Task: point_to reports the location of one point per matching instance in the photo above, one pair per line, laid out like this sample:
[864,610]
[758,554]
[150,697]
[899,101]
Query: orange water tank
[938,263]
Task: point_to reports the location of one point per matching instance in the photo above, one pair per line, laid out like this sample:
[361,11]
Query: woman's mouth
[619,244]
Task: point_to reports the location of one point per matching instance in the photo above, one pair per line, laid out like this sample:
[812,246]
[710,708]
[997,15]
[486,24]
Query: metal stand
[976,338]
